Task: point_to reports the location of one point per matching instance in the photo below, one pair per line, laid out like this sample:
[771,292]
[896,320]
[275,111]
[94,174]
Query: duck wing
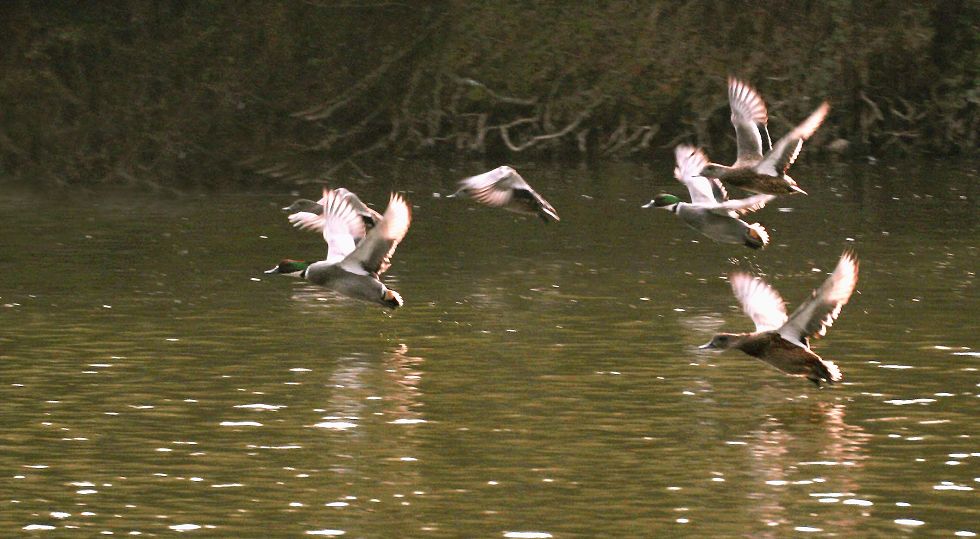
[816,315]
[373,255]
[784,153]
[341,226]
[742,206]
[690,161]
[370,217]
[760,301]
[494,188]
[304,221]
[750,118]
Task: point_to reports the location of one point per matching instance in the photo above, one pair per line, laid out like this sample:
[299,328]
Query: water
[542,380]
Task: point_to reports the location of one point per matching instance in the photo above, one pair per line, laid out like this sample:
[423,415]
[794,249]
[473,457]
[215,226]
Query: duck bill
[647,205]
[275,269]
[707,346]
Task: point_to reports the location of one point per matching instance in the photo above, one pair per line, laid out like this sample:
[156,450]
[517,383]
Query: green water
[540,378]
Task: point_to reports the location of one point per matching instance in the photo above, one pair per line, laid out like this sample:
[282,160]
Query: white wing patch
[746,205]
[748,114]
[759,301]
[305,220]
[373,254]
[817,314]
[340,226]
[690,161]
[787,149]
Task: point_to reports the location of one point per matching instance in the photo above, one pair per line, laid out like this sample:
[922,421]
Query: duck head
[294,268]
[663,201]
[713,170]
[301,204]
[722,341]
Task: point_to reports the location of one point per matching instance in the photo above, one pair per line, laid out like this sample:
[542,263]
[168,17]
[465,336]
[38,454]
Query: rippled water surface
[541,381]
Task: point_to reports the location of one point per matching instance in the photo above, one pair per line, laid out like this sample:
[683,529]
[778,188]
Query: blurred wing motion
[750,118]
[504,188]
[816,315]
[759,301]
[786,150]
[690,161]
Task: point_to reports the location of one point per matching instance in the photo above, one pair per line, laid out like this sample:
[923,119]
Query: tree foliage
[211,93]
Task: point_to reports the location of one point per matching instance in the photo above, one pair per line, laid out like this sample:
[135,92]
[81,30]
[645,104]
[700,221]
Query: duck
[710,212]
[300,207]
[784,341]
[761,166]
[504,188]
[354,270]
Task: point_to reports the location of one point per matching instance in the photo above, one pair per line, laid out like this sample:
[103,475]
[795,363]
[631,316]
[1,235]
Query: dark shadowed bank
[219,93]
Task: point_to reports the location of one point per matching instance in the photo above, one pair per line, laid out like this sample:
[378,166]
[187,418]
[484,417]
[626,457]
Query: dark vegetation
[216,93]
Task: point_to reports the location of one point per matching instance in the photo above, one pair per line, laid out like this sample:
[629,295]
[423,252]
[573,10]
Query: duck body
[722,228]
[746,176]
[788,357]
[782,340]
[353,285]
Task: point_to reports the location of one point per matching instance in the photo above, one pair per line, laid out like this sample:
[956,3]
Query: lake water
[541,380]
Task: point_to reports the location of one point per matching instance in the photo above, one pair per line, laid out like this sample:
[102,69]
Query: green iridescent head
[662,200]
[290,267]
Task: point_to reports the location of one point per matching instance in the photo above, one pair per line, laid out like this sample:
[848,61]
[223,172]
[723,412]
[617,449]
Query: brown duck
[784,341]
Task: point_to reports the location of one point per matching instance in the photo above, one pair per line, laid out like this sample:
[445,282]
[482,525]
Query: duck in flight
[784,341]
[353,268]
[761,166]
[710,212]
[504,188]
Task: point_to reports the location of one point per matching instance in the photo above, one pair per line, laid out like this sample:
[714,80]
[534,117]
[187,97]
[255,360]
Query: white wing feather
[340,226]
[760,301]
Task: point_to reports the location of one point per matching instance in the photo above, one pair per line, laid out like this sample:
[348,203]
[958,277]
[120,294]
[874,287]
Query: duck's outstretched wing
[302,219]
[373,254]
[370,217]
[690,161]
[494,188]
[816,315]
[503,187]
[787,149]
[750,118]
[760,301]
[339,224]
[305,220]
[742,206]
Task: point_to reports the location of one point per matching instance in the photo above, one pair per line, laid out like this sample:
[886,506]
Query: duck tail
[756,236]
[829,371]
[392,299]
